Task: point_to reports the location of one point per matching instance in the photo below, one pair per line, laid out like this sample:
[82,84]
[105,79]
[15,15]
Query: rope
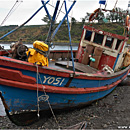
[40,51]
[38,108]
[53,46]
[106,4]
[2,48]
[11,11]
[59,10]
[115,4]
[68,57]
[46,97]
[24,22]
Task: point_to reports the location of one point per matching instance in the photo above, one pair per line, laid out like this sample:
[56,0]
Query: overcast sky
[26,8]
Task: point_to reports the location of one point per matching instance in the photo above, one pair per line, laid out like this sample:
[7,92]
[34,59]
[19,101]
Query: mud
[111,112]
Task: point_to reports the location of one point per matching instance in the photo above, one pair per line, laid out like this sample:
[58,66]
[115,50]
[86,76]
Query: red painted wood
[88,51]
[31,67]
[106,59]
[62,51]
[97,56]
[4,52]
[80,54]
[15,75]
[106,33]
[51,71]
[79,47]
[122,46]
[63,90]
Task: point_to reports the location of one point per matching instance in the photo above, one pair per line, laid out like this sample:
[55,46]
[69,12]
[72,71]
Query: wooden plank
[78,66]
[97,55]
[88,51]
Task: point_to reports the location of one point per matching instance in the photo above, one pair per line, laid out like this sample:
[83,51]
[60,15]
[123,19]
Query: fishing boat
[89,74]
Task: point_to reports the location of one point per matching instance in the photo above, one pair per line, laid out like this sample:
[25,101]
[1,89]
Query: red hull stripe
[52,71]
[62,90]
[16,75]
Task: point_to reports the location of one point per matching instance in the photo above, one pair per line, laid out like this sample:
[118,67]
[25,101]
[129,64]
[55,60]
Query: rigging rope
[53,45]
[115,4]
[46,97]
[59,10]
[24,22]
[37,95]
[15,6]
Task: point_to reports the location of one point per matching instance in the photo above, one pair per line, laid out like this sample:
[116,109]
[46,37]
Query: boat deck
[67,65]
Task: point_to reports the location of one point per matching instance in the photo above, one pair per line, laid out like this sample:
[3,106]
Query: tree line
[115,15]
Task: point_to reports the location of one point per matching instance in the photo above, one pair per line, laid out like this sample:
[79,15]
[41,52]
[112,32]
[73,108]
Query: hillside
[39,32]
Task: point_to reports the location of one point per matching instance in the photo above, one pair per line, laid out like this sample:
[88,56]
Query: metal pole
[54,33]
[70,38]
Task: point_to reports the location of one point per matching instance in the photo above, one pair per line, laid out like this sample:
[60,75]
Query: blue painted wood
[78,83]
[22,99]
[47,12]
[116,61]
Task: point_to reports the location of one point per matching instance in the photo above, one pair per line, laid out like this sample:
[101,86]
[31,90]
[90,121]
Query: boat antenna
[14,7]
[115,4]
[106,4]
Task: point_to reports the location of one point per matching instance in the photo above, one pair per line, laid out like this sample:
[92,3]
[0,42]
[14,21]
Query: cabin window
[88,35]
[118,44]
[109,42]
[98,38]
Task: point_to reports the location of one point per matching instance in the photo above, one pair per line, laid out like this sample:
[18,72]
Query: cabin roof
[105,33]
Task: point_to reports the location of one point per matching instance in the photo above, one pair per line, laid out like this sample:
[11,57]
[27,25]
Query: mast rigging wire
[14,7]
[115,4]
[24,22]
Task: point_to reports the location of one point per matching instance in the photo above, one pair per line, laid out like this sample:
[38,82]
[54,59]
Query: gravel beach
[111,112]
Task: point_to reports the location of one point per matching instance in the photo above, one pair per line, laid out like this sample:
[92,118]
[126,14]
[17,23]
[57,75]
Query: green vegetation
[110,21]
[39,32]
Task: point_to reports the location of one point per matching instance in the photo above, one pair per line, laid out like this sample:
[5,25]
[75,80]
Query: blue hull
[19,85]
[23,99]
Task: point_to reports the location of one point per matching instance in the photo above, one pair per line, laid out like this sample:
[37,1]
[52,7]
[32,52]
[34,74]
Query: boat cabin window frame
[109,43]
[98,35]
[89,37]
[118,44]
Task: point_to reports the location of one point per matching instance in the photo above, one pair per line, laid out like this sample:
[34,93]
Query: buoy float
[94,14]
[127,22]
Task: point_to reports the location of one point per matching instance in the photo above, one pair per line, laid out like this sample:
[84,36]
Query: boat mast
[51,33]
[48,40]
[70,38]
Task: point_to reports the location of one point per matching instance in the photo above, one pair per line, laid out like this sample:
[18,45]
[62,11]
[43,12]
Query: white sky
[28,7]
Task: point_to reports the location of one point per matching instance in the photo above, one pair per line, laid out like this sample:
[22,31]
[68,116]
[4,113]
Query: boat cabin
[99,49]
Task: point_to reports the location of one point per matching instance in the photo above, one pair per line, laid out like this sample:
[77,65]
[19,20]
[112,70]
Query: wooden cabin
[106,48]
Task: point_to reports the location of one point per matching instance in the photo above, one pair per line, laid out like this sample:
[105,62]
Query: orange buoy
[94,14]
[127,22]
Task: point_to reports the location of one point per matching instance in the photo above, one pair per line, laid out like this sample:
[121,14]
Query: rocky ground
[111,112]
